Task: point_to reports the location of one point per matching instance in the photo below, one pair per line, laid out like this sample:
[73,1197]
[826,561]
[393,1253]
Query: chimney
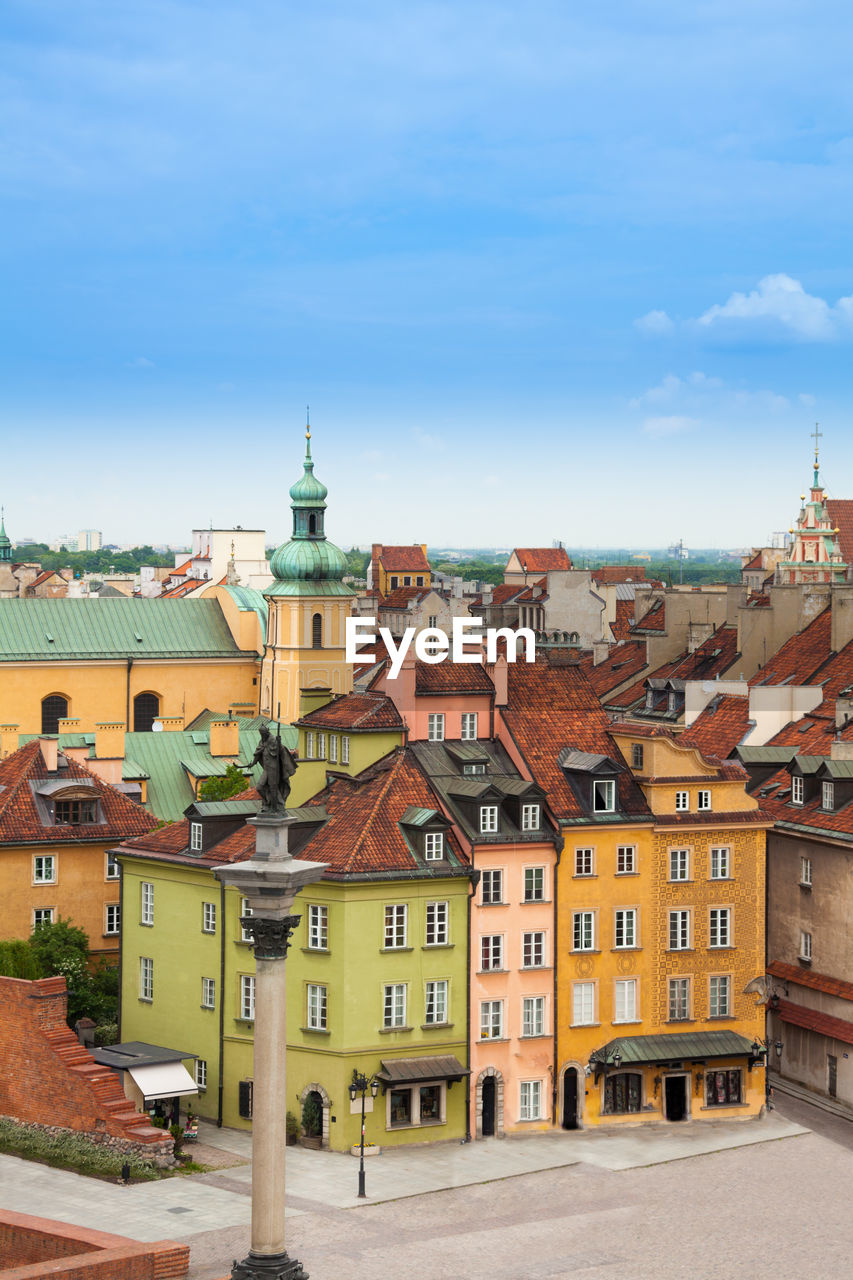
[843,708]
[600,652]
[8,739]
[500,679]
[109,740]
[841,751]
[49,752]
[312,700]
[224,738]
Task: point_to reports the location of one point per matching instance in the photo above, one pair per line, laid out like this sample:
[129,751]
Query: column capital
[270,938]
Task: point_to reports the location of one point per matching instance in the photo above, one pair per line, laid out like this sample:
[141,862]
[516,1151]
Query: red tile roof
[357,712]
[400,598]
[619,573]
[757,562]
[44,576]
[624,620]
[801,657]
[183,588]
[505,591]
[654,619]
[403,559]
[840,512]
[810,814]
[543,559]
[623,662]
[19,813]
[721,726]
[798,1016]
[452,677]
[808,978]
[711,658]
[758,600]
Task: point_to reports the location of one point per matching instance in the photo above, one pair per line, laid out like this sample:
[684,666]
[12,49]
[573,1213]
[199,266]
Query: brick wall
[34,1247]
[48,1078]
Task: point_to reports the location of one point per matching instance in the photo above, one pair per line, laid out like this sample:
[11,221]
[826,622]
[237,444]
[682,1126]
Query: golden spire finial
[307,422]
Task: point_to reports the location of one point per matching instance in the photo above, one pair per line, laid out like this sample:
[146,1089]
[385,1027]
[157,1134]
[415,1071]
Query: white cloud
[426,440]
[654,323]
[673,425]
[141,362]
[806,399]
[702,393]
[781,302]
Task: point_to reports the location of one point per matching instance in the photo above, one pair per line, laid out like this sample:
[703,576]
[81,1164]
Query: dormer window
[828,795]
[75,813]
[604,795]
[434,846]
[488,819]
[530,817]
[473,770]
[796,788]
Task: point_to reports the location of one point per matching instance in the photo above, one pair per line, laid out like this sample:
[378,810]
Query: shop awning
[164,1080]
[693,1045]
[416,1070]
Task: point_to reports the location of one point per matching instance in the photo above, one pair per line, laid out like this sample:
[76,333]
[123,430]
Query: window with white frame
[604,796]
[626,859]
[395,925]
[112,918]
[679,930]
[408,1106]
[469,726]
[719,996]
[583,1004]
[245,910]
[679,864]
[321,746]
[434,846]
[491,951]
[315,1006]
[805,945]
[432,619]
[530,1100]
[721,862]
[703,801]
[44,869]
[533,1016]
[42,915]
[491,1019]
[195,837]
[318,927]
[488,819]
[146,978]
[113,868]
[682,801]
[247,996]
[533,949]
[394,1005]
[491,886]
[435,1004]
[436,924]
[435,726]
[720,927]
[333,748]
[797,788]
[679,999]
[806,871]
[531,817]
[208,993]
[201,1074]
[827,795]
[534,884]
[474,769]
[584,862]
[208,917]
[147,903]
[625,927]
[583,931]
[345,748]
[625,1000]
[310,745]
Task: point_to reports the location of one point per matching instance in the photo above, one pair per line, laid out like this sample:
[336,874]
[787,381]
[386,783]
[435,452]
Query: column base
[268,1266]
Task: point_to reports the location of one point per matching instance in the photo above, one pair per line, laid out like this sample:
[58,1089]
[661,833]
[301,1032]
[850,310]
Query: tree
[61,948]
[229,784]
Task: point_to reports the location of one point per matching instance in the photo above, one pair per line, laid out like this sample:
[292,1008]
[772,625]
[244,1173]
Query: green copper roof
[308,560]
[685,1044]
[308,490]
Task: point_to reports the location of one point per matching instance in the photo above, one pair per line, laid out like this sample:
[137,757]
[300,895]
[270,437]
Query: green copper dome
[308,564]
[308,490]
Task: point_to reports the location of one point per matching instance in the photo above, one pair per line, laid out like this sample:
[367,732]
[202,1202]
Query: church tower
[307,606]
[5,543]
[815,554]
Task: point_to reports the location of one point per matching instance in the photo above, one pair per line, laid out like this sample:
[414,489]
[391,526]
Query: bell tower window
[317,631]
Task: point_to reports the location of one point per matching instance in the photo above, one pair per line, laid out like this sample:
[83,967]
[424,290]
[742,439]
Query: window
[488,818]
[310,745]
[623,1093]
[434,846]
[703,801]
[533,1016]
[492,887]
[113,868]
[679,930]
[584,862]
[469,726]
[316,1007]
[247,997]
[604,796]
[534,884]
[474,769]
[583,931]
[42,915]
[44,869]
[491,951]
[530,1100]
[721,863]
[245,1099]
[146,978]
[625,1000]
[720,933]
[435,1007]
[636,755]
[75,813]
[112,918]
[491,1019]
[626,859]
[395,581]
[679,999]
[53,709]
[245,910]
[827,795]
[345,749]
[435,726]
[394,1005]
[201,1074]
[583,1004]
[146,709]
[805,946]
[321,746]
[432,620]
[317,631]
[806,871]
[682,801]
[208,993]
[407,580]
[333,748]
[395,926]
[318,927]
[147,907]
[415,1105]
[530,819]
[208,917]
[436,924]
[625,927]
[719,997]
[722,1088]
[533,950]
[679,864]
[195,837]
[797,789]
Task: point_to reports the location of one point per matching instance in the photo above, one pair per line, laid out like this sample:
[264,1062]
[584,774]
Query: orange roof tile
[543,559]
[624,660]
[505,591]
[357,712]
[840,512]
[403,559]
[711,658]
[721,726]
[801,657]
[654,619]
[798,1016]
[399,599]
[452,677]
[808,978]
[624,620]
[619,573]
[774,795]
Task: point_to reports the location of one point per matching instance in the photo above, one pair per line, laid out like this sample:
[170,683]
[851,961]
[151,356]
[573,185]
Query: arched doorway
[53,709]
[569,1118]
[312,1099]
[490,1101]
[146,709]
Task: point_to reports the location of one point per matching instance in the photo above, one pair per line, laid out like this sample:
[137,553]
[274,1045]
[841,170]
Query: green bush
[106,1034]
[70,1151]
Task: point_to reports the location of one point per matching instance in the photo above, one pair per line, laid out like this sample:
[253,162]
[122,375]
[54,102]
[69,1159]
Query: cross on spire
[818,435]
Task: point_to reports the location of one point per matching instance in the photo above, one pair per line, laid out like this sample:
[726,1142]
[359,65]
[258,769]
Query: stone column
[270,882]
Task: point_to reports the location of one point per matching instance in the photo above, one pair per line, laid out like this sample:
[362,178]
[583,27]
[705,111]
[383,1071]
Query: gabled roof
[543,559]
[720,726]
[809,978]
[409,559]
[840,512]
[711,658]
[356,712]
[800,658]
[505,591]
[619,573]
[459,793]
[452,677]
[623,661]
[402,597]
[774,797]
[654,619]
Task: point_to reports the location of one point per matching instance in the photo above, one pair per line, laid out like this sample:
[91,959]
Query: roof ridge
[380,798]
[11,790]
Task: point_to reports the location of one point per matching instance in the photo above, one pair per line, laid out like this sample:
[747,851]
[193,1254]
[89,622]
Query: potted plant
[312,1122]
[292,1129]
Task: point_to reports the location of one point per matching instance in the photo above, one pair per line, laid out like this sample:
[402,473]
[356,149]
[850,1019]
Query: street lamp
[360,1085]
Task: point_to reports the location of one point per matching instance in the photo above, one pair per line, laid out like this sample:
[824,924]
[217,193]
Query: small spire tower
[815,554]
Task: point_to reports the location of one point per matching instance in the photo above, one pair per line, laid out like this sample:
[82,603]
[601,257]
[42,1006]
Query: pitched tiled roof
[721,726]
[619,573]
[808,978]
[797,1015]
[543,559]
[840,512]
[452,677]
[356,712]
[624,620]
[774,796]
[711,658]
[624,660]
[815,730]
[758,600]
[20,816]
[43,577]
[505,591]
[403,559]
[400,598]
[801,657]
[654,619]
[182,589]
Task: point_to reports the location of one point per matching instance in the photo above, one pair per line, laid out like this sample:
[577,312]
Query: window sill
[384,951]
[424,1124]
[585,951]
[535,902]
[674,951]
[245,1022]
[671,881]
[315,951]
[721,1017]
[804,961]
[537,968]
[207,1008]
[110,935]
[807,888]
[44,884]
[725,1106]
[438,946]
[484,971]
[145,999]
[316,1031]
[242,942]
[720,879]
[621,874]
[540,1035]
[530,1120]
[390,1031]
[679,1022]
[573,1025]
[146,924]
[634,947]
[585,875]
[626,1022]
[209,933]
[494,904]
[722,946]
[436,1026]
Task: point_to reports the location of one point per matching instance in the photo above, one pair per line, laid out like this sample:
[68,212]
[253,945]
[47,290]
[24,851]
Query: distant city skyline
[540,273]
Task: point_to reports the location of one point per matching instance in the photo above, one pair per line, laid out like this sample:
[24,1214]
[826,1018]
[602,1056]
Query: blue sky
[540,270]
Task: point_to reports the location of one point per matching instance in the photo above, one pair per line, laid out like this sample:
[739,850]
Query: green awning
[694,1045]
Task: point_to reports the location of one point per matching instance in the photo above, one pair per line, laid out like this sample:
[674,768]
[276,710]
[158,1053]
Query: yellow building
[394,567]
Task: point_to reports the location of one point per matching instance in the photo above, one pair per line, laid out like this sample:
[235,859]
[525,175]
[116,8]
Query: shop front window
[623,1093]
[722,1088]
